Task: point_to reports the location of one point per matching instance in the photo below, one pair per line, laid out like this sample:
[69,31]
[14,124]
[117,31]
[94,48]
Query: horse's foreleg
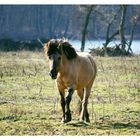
[62,105]
[68,100]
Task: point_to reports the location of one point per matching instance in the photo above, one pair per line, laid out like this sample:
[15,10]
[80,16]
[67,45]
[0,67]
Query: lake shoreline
[93,44]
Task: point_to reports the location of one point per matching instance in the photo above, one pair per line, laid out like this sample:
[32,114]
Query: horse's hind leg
[83,108]
[84,113]
[87,116]
[80,93]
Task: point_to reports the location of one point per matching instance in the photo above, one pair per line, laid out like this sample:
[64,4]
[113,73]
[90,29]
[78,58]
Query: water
[98,43]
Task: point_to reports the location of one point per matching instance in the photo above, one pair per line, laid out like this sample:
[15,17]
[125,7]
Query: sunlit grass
[29,100]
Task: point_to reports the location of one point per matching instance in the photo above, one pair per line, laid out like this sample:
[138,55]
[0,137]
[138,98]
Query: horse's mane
[61,46]
[51,47]
[68,50]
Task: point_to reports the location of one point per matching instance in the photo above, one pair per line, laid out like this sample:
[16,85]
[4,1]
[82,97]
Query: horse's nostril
[50,74]
[53,74]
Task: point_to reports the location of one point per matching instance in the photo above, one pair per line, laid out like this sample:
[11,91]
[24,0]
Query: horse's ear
[68,50]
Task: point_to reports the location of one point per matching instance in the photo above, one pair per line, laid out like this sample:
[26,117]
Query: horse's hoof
[81,120]
[65,121]
[68,117]
[88,120]
[68,120]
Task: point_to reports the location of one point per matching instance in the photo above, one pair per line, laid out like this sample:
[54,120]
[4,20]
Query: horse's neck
[64,67]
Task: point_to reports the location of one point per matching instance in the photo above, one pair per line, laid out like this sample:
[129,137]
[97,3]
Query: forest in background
[26,22]
[29,22]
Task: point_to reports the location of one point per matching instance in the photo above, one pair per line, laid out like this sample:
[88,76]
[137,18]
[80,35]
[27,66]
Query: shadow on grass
[13,118]
[108,125]
[126,125]
[118,126]
[78,124]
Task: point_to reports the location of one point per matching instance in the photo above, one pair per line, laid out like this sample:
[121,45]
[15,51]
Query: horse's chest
[66,81]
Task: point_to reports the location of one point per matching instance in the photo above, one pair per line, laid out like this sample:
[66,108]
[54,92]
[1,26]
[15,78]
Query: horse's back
[87,58]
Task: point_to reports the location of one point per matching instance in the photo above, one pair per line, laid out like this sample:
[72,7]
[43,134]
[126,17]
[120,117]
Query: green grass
[29,100]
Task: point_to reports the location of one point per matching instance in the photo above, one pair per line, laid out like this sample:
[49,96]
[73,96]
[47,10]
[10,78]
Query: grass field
[29,100]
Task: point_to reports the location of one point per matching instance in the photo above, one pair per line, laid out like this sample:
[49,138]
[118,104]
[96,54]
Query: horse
[72,71]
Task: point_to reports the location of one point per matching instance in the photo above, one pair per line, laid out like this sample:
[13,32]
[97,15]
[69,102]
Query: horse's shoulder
[86,58]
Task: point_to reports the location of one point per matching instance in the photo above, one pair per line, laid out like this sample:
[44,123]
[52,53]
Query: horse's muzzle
[53,74]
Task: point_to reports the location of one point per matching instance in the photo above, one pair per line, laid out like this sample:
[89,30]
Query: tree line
[82,22]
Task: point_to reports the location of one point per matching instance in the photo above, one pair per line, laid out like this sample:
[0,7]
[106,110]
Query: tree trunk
[135,21]
[131,39]
[84,32]
[107,36]
[109,39]
[121,27]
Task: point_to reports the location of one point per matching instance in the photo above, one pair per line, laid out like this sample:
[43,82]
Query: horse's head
[53,53]
[54,50]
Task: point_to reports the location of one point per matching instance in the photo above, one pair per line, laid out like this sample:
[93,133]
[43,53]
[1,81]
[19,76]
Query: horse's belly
[83,82]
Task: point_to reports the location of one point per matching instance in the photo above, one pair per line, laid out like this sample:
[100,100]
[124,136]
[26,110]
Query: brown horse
[72,71]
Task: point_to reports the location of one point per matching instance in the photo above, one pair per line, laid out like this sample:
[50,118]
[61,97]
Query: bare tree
[108,19]
[89,10]
[121,27]
[135,20]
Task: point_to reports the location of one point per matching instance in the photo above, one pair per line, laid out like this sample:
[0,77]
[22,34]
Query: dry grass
[29,100]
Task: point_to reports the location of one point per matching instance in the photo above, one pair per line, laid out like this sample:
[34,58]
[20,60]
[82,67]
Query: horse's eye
[50,57]
[59,58]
